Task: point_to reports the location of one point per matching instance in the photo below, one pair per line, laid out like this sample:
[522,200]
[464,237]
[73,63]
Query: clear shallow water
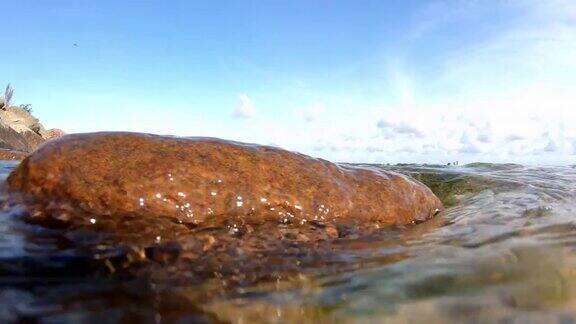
[504,250]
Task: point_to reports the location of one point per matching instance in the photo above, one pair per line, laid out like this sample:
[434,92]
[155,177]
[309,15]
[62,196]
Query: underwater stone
[98,178]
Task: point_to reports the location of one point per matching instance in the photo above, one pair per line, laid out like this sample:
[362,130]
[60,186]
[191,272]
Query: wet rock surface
[181,211]
[106,178]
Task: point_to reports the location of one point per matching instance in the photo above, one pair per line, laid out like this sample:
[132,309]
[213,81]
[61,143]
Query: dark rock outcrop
[12,140]
[22,132]
[105,178]
[20,119]
[52,133]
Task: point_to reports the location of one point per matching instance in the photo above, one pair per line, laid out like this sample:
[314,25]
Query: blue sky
[370,81]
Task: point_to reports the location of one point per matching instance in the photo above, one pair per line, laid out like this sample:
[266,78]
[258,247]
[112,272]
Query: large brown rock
[82,179]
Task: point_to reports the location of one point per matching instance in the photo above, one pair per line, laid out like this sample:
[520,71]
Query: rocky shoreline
[21,132]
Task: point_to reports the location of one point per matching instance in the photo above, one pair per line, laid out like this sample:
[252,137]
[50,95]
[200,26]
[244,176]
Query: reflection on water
[502,251]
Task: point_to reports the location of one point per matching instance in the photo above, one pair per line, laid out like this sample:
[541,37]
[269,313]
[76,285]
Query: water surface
[503,250]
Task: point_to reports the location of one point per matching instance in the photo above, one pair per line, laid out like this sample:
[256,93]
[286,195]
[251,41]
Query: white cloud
[485,135]
[551,146]
[312,113]
[513,138]
[392,128]
[526,126]
[244,108]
